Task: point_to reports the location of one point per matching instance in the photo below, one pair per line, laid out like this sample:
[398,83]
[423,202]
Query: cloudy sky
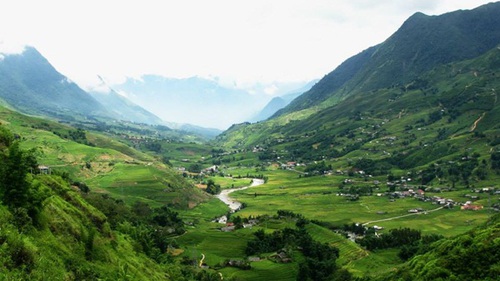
[238,42]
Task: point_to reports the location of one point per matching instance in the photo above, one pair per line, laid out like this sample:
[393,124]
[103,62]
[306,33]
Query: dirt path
[202,259]
[476,122]
[398,217]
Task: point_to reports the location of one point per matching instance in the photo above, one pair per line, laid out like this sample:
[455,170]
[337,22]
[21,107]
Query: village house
[212,169]
[44,170]
[471,207]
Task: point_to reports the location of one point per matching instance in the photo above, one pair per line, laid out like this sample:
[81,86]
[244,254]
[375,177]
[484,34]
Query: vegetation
[368,176]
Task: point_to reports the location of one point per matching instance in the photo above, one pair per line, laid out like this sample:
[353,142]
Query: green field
[114,168]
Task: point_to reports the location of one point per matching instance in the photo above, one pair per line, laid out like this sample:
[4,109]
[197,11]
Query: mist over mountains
[201,101]
[412,122]
[30,84]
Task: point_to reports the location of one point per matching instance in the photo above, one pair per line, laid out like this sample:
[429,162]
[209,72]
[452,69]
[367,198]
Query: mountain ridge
[347,116]
[417,46]
[31,84]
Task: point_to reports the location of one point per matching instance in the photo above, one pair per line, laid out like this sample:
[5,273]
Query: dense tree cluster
[319,258]
[409,241]
[149,227]
[318,168]
[212,188]
[17,190]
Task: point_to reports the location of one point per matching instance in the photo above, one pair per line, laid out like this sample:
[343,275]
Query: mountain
[471,256]
[29,83]
[209,133]
[421,43]
[427,94]
[122,108]
[279,102]
[56,226]
[194,100]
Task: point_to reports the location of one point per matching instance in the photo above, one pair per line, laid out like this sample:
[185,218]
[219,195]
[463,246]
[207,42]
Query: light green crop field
[317,198]
[375,263]
[263,270]
[349,250]
[133,182]
[228,182]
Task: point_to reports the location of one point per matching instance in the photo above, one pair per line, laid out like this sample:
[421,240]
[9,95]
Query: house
[222,220]
[471,207]
[228,228]
[253,259]
[212,169]
[44,170]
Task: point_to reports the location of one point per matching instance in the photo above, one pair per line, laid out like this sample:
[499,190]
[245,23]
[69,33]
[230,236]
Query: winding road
[398,217]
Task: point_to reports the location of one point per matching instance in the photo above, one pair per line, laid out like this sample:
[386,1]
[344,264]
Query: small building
[44,170]
[471,207]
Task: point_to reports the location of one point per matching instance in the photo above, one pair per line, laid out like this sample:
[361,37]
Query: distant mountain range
[280,102]
[30,84]
[197,100]
[122,108]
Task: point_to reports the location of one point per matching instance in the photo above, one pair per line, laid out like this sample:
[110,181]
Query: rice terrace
[209,141]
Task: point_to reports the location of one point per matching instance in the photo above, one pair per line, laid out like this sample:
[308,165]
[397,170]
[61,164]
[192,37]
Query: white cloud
[239,41]
[11,47]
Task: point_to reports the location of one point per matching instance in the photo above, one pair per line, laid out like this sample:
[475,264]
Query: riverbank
[231,202]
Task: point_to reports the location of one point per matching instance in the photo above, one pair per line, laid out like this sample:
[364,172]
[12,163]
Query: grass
[130,175]
[206,211]
[229,182]
[209,240]
[263,270]
[317,198]
[349,251]
[375,263]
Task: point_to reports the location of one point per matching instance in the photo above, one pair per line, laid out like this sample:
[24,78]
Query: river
[230,202]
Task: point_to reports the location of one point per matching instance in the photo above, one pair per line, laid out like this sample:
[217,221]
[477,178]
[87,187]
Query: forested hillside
[420,44]
[56,227]
[471,256]
[387,169]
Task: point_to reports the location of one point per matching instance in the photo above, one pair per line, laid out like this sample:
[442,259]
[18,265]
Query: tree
[212,188]
[495,160]
[16,188]
[14,185]
[194,168]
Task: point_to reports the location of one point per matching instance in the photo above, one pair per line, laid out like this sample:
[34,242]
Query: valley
[387,168]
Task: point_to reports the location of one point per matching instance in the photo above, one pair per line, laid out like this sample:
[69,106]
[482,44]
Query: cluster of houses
[230,226]
[419,194]
[445,202]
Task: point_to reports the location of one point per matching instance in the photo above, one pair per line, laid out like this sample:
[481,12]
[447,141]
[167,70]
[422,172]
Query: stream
[230,202]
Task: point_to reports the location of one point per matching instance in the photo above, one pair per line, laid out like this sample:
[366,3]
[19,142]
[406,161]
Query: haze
[254,46]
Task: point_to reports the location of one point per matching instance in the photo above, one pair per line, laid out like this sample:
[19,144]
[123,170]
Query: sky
[239,43]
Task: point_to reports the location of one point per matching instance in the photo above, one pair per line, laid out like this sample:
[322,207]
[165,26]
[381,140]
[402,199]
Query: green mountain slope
[422,43]
[51,230]
[471,256]
[29,83]
[370,97]
[450,109]
[105,162]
